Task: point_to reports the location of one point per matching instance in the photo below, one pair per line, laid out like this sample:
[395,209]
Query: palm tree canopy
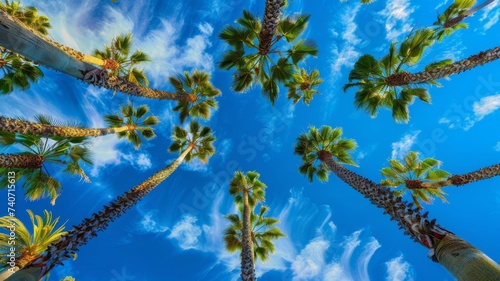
[135,118]
[372,77]
[302,86]
[457,9]
[197,84]
[412,168]
[29,245]
[68,153]
[16,72]
[263,232]
[271,68]
[27,15]
[120,52]
[311,145]
[200,138]
[249,184]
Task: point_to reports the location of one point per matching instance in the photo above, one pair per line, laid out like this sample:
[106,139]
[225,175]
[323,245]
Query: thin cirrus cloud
[490,16]
[403,146]
[398,270]
[397,18]
[480,109]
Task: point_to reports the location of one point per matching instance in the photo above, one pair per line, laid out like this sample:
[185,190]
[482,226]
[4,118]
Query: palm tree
[256,53]
[27,15]
[28,245]
[302,86]
[194,142]
[129,124]
[323,150]
[119,52]
[16,72]
[67,153]
[43,50]
[203,94]
[372,77]
[262,229]
[247,190]
[452,17]
[424,181]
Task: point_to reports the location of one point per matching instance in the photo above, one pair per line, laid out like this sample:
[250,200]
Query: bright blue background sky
[333,233]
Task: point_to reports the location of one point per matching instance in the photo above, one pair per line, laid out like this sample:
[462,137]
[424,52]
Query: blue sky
[333,233]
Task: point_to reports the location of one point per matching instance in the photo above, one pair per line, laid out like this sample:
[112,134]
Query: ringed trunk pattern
[24,127]
[422,231]
[272,16]
[30,161]
[405,78]
[32,46]
[88,228]
[247,258]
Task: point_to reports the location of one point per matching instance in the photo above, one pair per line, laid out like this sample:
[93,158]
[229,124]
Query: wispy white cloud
[398,270]
[365,258]
[497,147]
[490,15]
[486,106]
[480,109]
[186,232]
[397,18]
[403,146]
[310,262]
[141,161]
[150,223]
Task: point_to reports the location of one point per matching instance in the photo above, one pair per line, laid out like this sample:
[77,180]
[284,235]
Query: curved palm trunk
[405,78]
[23,41]
[441,242]
[12,125]
[457,180]
[88,228]
[247,258]
[30,161]
[270,23]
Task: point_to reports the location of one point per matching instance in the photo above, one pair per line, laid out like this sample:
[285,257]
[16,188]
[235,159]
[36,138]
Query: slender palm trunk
[456,20]
[272,16]
[247,258]
[30,161]
[405,78]
[441,242]
[24,127]
[479,7]
[29,44]
[457,180]
[88,228]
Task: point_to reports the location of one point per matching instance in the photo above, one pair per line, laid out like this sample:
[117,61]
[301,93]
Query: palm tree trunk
[88,228]
[29,44]
[479,7]
[272,16]
[30,161]
[405,78]
[25,127]
[422,231]
[247,258]
[457,180]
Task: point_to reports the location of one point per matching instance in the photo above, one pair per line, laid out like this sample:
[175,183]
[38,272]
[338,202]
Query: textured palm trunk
[30,161]
[88,228]
[427,233]
[272,16]
[29,44]
[405,78]
[24,127]
[452,22]
[457,180]
[247,258]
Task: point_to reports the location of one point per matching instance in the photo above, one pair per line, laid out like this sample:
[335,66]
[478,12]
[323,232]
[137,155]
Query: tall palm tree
[129,124]
[247,190]
[194,142]
[29,245]
[405,78]
[68,153]
[27,15]
[16,72]
[203,94]
[323,150]
[372,77]
[452,17]
[120,52]
[263,231]
[261,55]
[302,86]
[43,50]
[424,181]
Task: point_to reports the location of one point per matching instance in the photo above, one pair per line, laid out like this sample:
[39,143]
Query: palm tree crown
[412,170]
[27,15]
[199,86]
[137,125]
[302,86]
[447,23]
[313,145]
[197,138]
[269,68]
[16,72]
